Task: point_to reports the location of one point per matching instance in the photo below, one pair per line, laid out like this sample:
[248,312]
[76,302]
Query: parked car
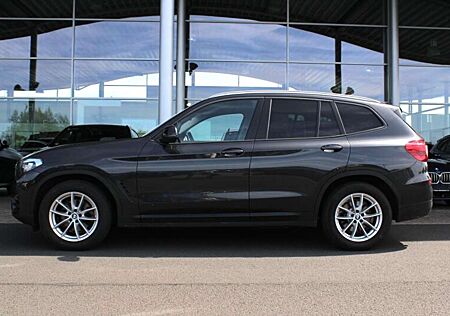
[439,169]
[348,164]
[8,159]
[30,146]
[92,132]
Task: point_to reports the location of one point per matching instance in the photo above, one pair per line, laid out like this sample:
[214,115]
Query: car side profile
[267,158]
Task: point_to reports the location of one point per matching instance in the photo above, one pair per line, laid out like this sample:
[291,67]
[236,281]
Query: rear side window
[293,118]
[357,118]
[328,125]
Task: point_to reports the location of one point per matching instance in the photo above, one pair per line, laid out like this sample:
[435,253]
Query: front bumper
[441,191]
[23,201]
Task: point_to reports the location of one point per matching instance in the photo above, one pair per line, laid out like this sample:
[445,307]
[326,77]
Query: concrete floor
[227,271]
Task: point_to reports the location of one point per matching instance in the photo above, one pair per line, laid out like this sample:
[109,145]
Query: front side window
[221,121]
[293,118]
[357,118]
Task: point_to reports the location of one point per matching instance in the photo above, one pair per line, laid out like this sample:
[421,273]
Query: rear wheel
[75,215]
[356,216]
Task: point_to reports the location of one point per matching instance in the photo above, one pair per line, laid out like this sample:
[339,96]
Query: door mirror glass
[169,135]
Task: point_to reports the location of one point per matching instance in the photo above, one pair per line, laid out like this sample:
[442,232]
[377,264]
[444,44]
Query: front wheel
[356,216]
[75,215]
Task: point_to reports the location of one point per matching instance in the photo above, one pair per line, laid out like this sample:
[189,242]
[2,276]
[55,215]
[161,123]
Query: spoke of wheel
[371,215]
[345,209]
[356,228]
[72,202]
[87,218]
[341,217]
[59,213]
[361,202]
[364,230]
[75,226]
[374,204]
[87,210]
[81,201]
[371,226]
[61,222]
[67,228]
[84,227]
[353,202]
[345,229]
[60,203]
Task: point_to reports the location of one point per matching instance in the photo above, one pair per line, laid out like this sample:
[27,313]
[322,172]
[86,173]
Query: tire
[82,229]
[339,231]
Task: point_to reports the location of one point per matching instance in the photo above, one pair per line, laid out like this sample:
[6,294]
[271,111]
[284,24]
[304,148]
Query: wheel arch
[378,181]
[88,176]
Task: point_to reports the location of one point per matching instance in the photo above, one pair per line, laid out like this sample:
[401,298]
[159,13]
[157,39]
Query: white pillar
[393,53]
[166,60]
[181,52]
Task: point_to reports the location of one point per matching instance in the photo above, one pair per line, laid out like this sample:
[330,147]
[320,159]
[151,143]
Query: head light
[30,163]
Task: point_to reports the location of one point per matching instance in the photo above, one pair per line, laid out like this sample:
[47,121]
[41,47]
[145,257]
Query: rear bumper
[414,211]
[416,201]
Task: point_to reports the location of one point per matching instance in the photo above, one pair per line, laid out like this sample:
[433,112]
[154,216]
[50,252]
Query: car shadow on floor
[19,240]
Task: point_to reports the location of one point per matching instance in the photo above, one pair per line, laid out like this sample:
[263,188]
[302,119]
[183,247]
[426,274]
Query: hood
[9,153]
[89,151]
[437,165]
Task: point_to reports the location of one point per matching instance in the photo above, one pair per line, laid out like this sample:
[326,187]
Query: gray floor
[226,271]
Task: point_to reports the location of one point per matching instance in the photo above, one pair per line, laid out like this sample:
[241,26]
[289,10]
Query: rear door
[300,143]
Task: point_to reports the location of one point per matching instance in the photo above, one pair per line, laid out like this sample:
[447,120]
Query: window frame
[251,133]
[383,122]
[263,130]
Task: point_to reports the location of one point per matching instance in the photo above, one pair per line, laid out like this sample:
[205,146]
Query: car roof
[97,125]
[299,93]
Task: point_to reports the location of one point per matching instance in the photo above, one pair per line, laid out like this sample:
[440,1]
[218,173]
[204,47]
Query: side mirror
[5,144]
[169,135]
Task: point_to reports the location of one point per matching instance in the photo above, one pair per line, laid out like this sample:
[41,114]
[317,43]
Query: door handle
[331,148]
[232,152]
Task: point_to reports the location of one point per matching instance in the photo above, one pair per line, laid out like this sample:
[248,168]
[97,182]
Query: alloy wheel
[73,216]
[358,217]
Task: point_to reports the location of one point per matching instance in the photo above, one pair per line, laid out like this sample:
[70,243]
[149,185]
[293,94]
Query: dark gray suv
[348,164]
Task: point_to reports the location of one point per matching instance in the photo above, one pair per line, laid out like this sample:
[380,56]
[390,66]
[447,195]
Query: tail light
[418,149]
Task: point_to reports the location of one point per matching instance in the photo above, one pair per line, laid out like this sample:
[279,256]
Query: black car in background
[348,164]
[8,159]
[439,169]
[30,146]
[91,133]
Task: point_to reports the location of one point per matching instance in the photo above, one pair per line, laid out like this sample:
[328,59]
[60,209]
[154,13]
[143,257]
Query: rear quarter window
[357,118]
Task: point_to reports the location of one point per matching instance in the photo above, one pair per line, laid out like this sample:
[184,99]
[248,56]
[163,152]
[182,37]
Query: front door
[204,176]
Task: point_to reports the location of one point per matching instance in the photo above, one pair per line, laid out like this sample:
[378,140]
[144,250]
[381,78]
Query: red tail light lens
[418,149]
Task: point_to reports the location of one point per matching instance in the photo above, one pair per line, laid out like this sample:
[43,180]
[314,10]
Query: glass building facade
[68,62]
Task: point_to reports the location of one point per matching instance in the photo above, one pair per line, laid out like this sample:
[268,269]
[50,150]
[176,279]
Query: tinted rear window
[357,118]
[291,118]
